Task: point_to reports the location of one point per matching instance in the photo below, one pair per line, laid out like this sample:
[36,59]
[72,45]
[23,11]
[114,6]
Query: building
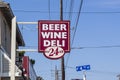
[29,71]
[6,16]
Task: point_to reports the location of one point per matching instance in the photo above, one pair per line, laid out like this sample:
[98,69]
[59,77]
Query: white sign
[54,52]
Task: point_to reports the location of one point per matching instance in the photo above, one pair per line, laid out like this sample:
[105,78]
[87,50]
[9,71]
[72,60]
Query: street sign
[84,67]
[53,38]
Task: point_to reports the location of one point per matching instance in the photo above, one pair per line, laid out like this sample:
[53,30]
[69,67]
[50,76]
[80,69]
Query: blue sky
[98,27]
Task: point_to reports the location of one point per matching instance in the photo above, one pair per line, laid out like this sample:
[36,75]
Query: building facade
[28,67]
[6,16]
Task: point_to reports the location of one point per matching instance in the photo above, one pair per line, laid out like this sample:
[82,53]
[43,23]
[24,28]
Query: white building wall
[4,37]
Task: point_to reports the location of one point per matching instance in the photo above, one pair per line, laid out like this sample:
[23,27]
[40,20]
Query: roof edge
[7,7]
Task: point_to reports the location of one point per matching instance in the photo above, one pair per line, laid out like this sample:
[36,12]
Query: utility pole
[56,73]
[118,77]
[62,59]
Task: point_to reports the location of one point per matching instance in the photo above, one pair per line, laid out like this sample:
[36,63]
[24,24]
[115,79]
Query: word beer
[53,34]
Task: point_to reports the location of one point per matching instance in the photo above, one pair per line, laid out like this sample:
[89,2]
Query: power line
[66,3]
[96,71]
[75,28]
[77,21]
[94,12]
[49,8]
[110,46]
[71,9]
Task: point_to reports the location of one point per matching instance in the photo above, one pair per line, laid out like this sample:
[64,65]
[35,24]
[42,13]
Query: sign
[84,67]
[29,71]
[54,52]
[25,65]
[53,38]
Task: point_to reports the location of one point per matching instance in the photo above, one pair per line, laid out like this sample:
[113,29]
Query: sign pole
[83,69]
[13,49]
[84,75]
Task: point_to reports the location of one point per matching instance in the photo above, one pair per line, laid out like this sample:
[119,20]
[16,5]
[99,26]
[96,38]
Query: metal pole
[56,73]
[62,60]
[84,75]
[36,50]
[118,77]
[63,68]
[13,49]
[61,9]
[27,22]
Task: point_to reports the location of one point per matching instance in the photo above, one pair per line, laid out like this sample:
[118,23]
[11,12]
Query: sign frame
[65,30]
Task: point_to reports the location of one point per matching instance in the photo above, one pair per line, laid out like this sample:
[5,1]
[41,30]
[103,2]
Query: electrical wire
[75,29]
[49,8]
[77,21]
[97,71]
[108,46]
[66,3]
[94,12]
[71,9]
[69,18]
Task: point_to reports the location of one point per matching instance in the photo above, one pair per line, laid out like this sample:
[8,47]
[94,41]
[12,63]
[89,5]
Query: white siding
[4,63]
[5,42]
[0,62]
[5,36]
